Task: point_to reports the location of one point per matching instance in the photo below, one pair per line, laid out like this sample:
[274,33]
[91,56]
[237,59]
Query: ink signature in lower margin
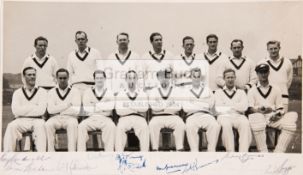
[12,160]
[282,169]
[40,163]
[185,167]
[130,161]
[243,158]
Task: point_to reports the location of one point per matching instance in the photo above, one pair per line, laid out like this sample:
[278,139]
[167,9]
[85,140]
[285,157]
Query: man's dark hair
[40,38]
[192,71]
[131,71]
[62,70]
[27,68]
[235,41]
[99,72]
[79,32]
[227,71]
[167,73]
[151,38]
[211,36]
[273,42]
[123,33]
[186,38]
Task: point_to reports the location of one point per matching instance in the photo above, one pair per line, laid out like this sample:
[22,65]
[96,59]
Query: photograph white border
[109,163]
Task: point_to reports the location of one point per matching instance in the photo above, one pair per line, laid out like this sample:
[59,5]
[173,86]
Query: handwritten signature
[195,165]
[185,167]
[130,161]
[41,163]
[15,159]
[282,169]
[75,166]
[243,158]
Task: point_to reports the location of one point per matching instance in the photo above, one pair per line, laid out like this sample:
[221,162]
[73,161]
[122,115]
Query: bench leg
[95,141]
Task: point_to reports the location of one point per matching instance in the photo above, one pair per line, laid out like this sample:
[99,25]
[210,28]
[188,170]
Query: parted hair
[227,71]
[211,36]
[151,38]
[40,38]
[27,68]
[62,70]
[99,72]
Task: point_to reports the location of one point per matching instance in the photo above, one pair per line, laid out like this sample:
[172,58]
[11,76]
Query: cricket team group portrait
[195,99]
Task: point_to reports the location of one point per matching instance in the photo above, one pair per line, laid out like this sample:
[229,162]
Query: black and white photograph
[179,78]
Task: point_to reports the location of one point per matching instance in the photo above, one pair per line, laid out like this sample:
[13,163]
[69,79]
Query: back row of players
[82,63]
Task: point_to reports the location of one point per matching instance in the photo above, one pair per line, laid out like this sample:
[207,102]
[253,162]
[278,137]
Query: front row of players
[263,105]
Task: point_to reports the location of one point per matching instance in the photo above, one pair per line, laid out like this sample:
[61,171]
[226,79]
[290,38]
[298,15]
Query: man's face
[273,50]
[30,77]
[41,47]
[237,48]
[122,41]
[157,42]
[212,43]
[196,77]
[165,78]
[81,40]
[230,78]
[62,79]
[263,76]
[188,45]
[99,79]
[131,79]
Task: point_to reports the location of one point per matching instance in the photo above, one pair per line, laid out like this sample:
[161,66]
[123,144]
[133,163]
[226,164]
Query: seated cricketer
[198,104]
[231,104]
[28,105]
[64,105]
[266,109]
[99,103]
[131,106]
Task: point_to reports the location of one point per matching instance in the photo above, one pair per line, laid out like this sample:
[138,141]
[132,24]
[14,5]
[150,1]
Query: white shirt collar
[278,60]
[85,50]
[123,54]
[167,89]
[132,93]
[192,55]
[241,58]
[43,58]
[26,89]
[202,85]
[233,89]
[63,91]
[161,53]
[214,54]
[259,85]
[99,93]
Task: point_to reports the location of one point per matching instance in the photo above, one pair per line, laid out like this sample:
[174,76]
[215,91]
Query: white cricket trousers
[69,123]
[15,129]
[240,123]
[287,125]
[82,88]
[105,124]
[205,121]
[172,121]
[140,127]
